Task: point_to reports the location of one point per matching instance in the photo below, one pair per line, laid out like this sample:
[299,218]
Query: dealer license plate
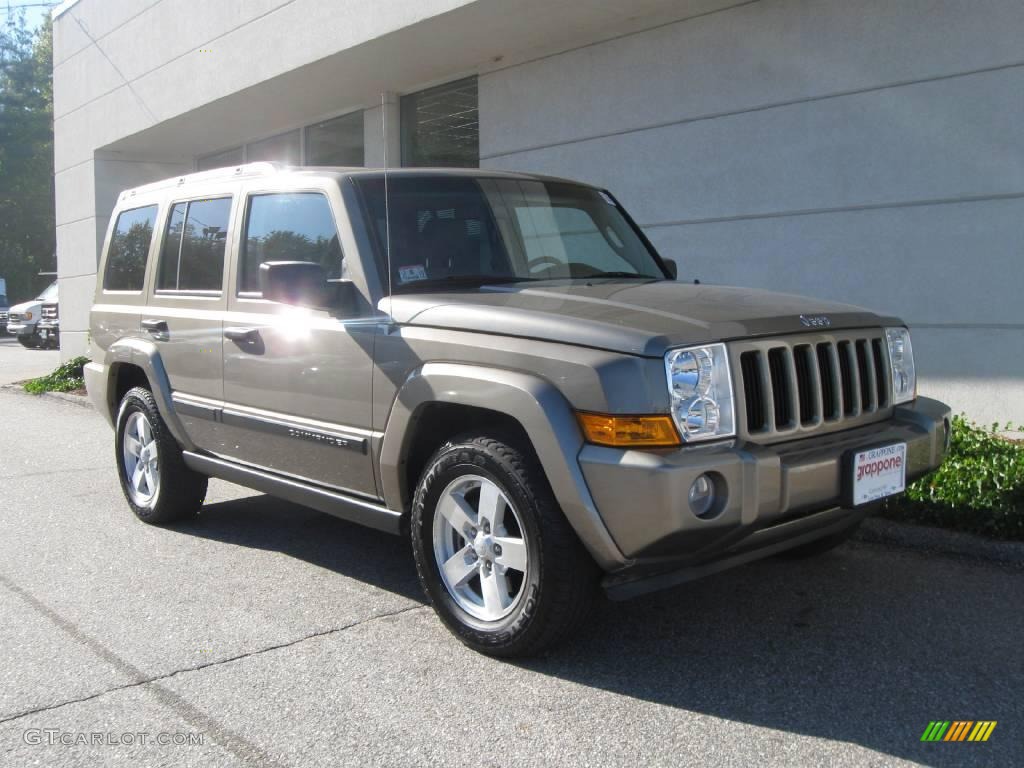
[879,472]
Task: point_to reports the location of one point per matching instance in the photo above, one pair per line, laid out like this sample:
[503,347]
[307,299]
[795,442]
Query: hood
[624,316]
[26,305]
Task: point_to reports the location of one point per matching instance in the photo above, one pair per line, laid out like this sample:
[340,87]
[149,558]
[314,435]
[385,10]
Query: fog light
[702,496]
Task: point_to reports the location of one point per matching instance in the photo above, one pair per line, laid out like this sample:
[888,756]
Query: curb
[82,401]
[925,538]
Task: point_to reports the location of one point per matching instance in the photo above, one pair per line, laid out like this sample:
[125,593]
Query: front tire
[28,341]
[159,487]
[495,555]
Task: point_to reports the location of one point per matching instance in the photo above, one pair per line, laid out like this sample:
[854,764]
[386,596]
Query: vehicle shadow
[268,523]
[864,645]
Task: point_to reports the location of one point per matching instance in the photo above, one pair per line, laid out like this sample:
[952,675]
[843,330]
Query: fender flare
[145,355]
[540,409]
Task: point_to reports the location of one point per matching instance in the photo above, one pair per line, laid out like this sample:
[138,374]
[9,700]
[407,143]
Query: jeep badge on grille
[815,321]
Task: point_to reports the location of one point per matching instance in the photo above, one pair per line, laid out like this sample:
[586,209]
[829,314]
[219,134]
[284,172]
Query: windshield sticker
[412,273]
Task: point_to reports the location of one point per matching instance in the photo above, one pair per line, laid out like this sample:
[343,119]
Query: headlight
[901,364]
[27,315]
[700,385]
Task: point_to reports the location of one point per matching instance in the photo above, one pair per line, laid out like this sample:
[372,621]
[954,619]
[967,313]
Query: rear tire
[511,590]
[158,485]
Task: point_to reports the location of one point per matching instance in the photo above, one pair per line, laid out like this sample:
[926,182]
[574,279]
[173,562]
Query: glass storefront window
[441,126]
[336,142]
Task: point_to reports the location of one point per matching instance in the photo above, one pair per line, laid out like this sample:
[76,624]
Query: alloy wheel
[480,547]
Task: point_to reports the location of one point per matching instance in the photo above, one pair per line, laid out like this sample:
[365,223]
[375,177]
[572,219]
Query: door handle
[157,329]
[242,335]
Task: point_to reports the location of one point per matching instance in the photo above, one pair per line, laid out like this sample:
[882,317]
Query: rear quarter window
[129,247]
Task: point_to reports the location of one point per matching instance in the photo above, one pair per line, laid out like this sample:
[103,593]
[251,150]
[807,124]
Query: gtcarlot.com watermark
[56,737]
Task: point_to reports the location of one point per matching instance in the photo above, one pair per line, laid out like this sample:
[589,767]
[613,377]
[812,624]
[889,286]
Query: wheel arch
[451,398]
[135,362]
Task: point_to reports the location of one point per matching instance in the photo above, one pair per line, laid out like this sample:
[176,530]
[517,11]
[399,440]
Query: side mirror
[304,284]
[672,267]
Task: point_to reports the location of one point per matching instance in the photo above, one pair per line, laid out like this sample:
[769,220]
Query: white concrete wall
[862,150]
[145,85]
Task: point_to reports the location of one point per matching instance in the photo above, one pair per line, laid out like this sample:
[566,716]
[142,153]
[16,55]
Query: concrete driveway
[18,363]
[280,636]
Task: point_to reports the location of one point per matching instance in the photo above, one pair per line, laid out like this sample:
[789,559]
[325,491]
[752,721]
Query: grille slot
[814,382]
[750,363]
[803,358]
[881,373]
[827,375]
[846,377]
[780,386]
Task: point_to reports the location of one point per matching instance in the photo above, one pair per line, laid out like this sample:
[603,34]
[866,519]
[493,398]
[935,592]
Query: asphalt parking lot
[18,363]
[285,637]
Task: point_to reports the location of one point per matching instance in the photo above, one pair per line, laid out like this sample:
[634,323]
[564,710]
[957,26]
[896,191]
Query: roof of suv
[262,170]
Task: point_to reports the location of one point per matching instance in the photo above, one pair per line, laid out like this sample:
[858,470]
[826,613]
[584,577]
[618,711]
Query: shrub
[66,378]
[979,488]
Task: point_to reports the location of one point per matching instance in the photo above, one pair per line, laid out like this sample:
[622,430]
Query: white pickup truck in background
[3,307]
[23,319]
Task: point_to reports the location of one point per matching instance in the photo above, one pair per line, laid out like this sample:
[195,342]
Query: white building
[864,150]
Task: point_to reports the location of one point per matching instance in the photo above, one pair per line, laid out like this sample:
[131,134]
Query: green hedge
[979,488]
[66,378]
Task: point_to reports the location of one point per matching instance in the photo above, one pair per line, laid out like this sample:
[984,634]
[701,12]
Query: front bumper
[21,329]
[48,330]
[642,495]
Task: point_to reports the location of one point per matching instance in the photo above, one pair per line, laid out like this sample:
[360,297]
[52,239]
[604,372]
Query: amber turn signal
[628,431]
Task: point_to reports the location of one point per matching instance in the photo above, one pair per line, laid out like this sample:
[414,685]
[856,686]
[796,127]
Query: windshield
[459,230]
[50,294]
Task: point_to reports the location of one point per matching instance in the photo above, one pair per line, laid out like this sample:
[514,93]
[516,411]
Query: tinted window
[569,235]
[223,159]
[296,226]
[336,142]
[285,148]
[441,126]
[129,247]
[447,228]
[192,258]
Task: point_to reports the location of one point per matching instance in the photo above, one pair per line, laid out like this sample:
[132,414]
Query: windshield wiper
[632,275]
[460,281]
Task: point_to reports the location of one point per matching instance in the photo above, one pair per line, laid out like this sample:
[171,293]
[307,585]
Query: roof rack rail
[248,170]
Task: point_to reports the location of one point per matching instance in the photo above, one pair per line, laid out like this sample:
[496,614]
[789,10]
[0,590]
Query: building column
[382,130]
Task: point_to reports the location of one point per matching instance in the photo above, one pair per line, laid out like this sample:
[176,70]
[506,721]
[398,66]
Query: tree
[27,231]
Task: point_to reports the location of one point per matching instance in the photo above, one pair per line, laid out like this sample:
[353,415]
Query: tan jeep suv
[499,366]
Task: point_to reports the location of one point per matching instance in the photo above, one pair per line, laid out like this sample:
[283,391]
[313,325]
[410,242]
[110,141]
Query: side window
[294,226]
[192,257]
[129,247]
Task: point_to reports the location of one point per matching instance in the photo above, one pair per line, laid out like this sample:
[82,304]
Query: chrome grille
[810,383]
[48,312]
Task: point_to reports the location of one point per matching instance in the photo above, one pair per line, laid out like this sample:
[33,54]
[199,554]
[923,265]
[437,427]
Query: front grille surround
[789,387]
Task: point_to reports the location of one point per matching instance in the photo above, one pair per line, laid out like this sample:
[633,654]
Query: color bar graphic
[958,730]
